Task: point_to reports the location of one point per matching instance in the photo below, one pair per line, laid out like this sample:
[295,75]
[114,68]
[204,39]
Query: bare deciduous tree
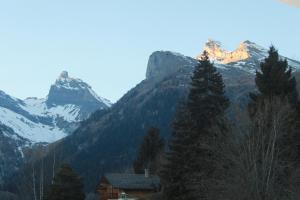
[263,165]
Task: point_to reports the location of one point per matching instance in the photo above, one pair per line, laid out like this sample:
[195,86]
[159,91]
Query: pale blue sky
[107,43]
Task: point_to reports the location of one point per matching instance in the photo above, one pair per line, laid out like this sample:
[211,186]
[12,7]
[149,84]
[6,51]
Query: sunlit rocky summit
[246,56]
[243,52]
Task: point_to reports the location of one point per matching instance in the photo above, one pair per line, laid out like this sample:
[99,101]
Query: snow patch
[38,107]
[36,132]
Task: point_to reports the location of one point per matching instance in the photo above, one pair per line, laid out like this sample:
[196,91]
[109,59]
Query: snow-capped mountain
[47,120]
[25,123]
[246,57]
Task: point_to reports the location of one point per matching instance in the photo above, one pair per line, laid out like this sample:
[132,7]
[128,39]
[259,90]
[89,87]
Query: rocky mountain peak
[64,75]
[68,90]
[67,82]
[166,63]
[213,44]
[244,51]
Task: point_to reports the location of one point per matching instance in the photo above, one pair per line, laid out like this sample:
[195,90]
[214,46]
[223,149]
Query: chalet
[128,186]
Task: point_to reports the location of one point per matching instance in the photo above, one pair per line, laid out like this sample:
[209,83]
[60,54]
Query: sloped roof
[133,181]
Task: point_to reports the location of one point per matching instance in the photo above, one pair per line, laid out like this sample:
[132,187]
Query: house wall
[138,194]
[107,191]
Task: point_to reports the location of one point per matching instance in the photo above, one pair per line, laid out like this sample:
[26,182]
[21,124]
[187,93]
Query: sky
[107,43]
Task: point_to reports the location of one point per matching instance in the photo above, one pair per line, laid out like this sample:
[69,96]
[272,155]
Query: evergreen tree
[207,104]
[67,185]
[206,98]
[195,153]
[150,152]
[274,80]
[175,177]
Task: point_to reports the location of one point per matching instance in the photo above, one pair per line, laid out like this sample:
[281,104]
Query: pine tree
[274,80]
[195,153]
[150,152]
[206,98]
[207,104]
[175,174]
[67,185]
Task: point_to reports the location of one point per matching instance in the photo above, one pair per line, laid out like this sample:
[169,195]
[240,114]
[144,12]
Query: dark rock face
[166,63]
[7,101]
[62,96]
[68,90]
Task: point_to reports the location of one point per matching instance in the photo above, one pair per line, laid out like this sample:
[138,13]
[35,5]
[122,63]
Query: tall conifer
[149,153]
[67,185]
[274,80]
[175,173]
[195,153]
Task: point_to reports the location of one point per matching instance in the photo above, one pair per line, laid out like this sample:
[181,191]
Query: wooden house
[128,186]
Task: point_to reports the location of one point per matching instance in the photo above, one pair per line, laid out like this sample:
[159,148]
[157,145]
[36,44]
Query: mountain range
[25,123]
[107,141]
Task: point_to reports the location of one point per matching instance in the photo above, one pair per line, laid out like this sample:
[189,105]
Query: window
[123,196]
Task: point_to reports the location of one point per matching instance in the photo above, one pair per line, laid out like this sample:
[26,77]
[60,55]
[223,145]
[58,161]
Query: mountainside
[108,140]
[11,154]
[24,123]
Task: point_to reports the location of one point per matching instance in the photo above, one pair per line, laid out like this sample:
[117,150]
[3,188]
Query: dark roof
[133,181]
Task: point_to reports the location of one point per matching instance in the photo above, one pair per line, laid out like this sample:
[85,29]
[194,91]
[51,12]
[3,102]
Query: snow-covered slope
[35,132]
[47,120]
[68,112]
